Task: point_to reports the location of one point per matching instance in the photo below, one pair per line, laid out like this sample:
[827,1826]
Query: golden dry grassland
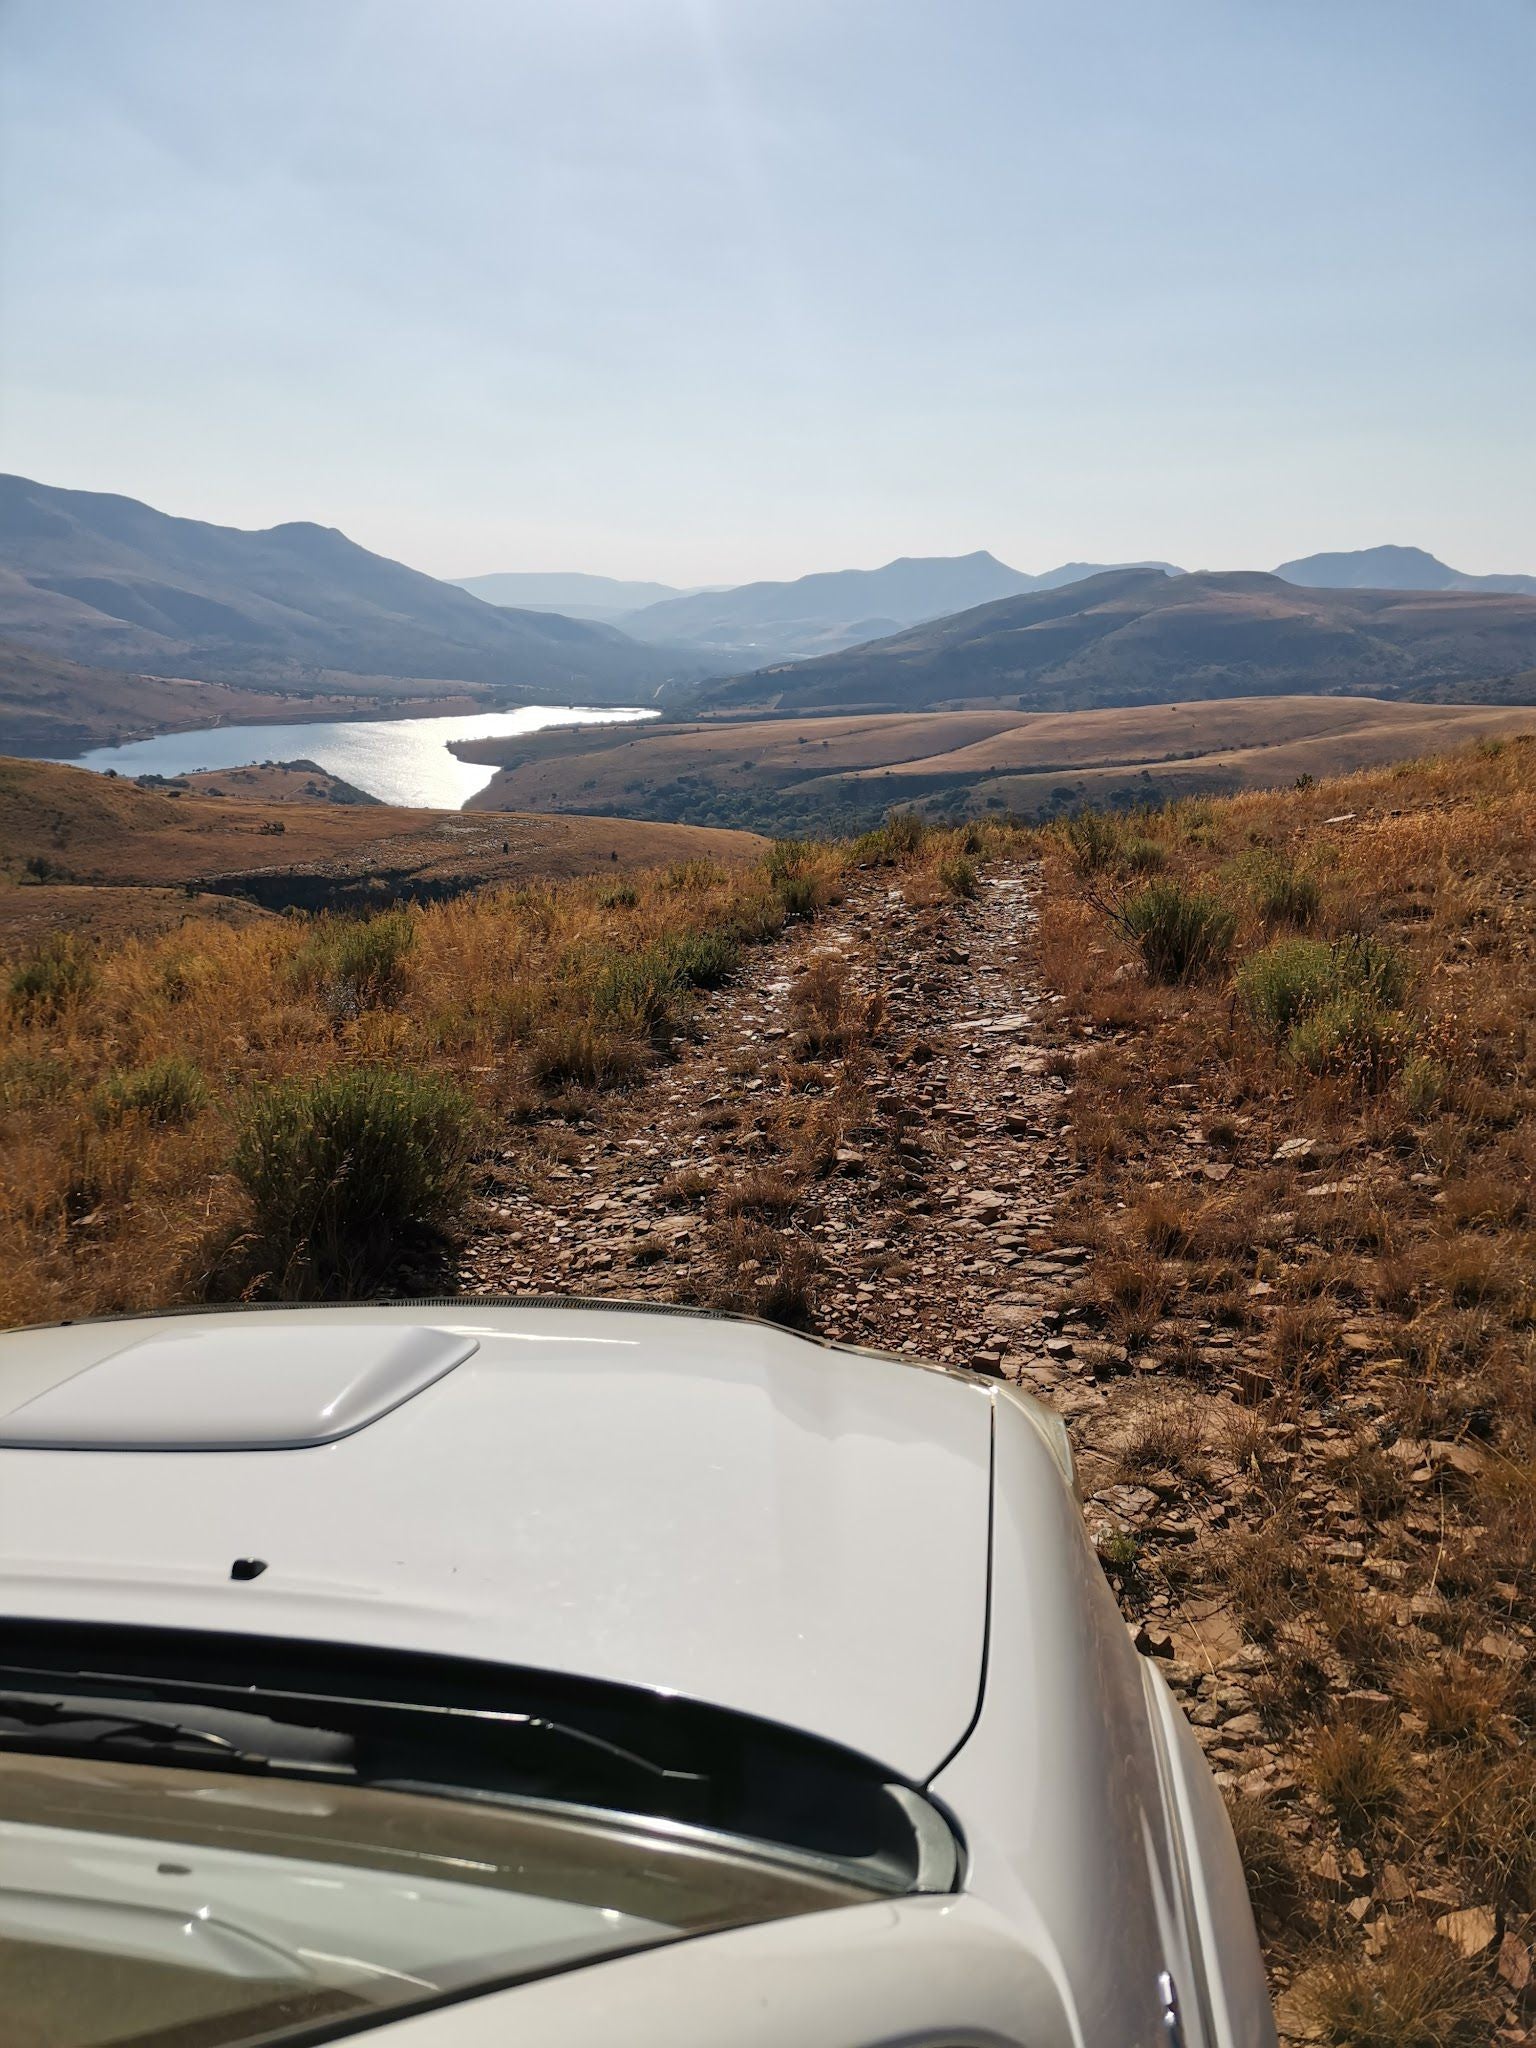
[1300,1029]
[217,1111]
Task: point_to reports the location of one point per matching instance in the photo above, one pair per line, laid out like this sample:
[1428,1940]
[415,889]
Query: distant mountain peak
[1393,567]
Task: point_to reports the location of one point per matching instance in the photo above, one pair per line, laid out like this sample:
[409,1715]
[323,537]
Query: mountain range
[830,612]
[822,613]
[96,590]
[1137,636]
[576,595]
[111,583]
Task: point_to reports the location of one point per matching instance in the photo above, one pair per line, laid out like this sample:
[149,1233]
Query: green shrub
[577,1053]
[1181,933]
[356,964]
[759,916]
[898,839]
[1094,840]
[1143,856]
[1283,894]
[703,959]
[1293,979]
[800,889]
[58,973]
[1423,1084]
[638,992]
[635,992]
[337,1170]
[957,875]
[1280,984]
[28,1080]
[1353,1037]
[167,1091]
[800,896]
[1375,969]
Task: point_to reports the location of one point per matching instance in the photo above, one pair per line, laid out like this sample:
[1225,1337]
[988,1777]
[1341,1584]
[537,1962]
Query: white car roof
[705,1506]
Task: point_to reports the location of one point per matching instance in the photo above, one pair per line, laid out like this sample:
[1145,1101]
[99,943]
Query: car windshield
[193,1909]
[191,1859]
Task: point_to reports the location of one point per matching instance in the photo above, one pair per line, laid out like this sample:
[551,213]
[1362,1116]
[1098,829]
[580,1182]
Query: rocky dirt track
[924,1244]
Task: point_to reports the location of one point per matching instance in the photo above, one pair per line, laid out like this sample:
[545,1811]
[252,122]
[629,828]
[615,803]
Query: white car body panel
[707,1507]
[887,1557]
[905,1973]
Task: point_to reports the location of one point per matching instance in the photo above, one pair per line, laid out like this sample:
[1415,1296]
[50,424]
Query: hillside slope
[1136,636]
[67,829]
[113,583]
[1265,1247]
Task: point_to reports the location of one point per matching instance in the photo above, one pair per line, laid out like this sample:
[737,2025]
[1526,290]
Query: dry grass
[1377,1545]
[128,1071]
[113,1196]
[1420,1992]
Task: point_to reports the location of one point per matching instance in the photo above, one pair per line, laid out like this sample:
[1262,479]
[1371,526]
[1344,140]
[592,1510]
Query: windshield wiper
[82,1721]
[229,1736]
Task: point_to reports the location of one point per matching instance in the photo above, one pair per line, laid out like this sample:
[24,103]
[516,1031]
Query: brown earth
[35,913]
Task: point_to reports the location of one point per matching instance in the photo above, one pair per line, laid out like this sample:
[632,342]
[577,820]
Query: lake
[398,760]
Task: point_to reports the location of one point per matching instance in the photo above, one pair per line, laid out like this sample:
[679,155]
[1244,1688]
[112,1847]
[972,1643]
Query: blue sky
[714,289]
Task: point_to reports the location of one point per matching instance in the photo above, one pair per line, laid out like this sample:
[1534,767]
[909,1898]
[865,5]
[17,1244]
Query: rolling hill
[102,854]
[113,584]
[828,612]
[844,772]
[1392,568]
[1137,636]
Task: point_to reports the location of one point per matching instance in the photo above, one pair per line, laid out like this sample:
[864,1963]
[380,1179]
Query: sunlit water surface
[399,760]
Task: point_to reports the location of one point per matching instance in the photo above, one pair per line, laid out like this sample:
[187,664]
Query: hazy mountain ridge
[1393,568]
[831,610]
[1137,636]
[573,592]
[115,584]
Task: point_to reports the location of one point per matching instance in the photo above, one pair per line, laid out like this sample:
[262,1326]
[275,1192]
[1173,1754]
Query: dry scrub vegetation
[1301,1034]
[302,1108]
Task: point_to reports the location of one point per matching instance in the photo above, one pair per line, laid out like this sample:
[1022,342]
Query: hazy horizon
[715,291]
